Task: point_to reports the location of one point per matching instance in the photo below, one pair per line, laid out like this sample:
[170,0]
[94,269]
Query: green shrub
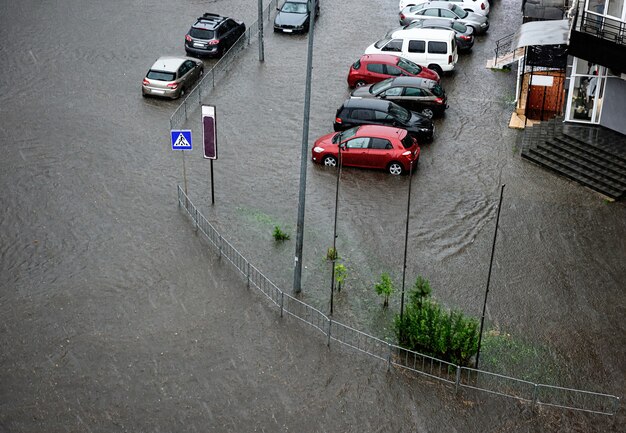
[280,235]
[384,288]
[427,328]
[332,254]
[340,274]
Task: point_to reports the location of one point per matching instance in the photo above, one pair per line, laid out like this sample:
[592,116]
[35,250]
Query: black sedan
[413,93]
[359,111]
[294,16]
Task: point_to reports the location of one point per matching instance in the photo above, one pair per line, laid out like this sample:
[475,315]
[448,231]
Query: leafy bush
[280,235]
[332,254]
[340,274]
[384,288]
[429,329]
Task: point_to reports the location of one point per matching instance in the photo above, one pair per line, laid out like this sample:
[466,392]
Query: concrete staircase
[590,155]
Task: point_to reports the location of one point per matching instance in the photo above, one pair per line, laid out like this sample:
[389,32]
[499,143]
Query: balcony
[599,39]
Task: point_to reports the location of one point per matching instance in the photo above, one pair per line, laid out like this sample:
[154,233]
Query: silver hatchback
[171,77]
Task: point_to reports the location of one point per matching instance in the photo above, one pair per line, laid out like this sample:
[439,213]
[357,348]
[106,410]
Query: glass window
[417,47]
[436,47]
[394,45]
[380,143]
[201,33]
[161,76]
[445,13]
[362,114]
[358,143]
[431,12]
[356,65]
[383,117]
[394,91]
[376,68]
[413,91]
[409,66]
[392,70]
[438,90]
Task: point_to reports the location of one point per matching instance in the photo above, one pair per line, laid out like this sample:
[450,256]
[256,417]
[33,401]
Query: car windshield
[409,66]
[161,76]
[438,90]
[460,12]
[381,43]
[381,86]
[344,135]
[294,8]
[400,113]
[201,33]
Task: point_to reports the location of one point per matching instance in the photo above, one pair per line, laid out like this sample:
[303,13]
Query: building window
[586,92]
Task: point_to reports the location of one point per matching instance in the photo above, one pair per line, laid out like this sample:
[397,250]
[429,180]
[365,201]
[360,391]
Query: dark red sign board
[209,131]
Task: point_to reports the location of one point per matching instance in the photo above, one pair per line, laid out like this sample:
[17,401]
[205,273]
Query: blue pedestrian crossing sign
[181,139]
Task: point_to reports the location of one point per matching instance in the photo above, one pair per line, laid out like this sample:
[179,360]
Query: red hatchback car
[372,68]
[369,146]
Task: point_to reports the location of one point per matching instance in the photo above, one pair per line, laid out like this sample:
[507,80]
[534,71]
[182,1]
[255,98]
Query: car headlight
[318,149]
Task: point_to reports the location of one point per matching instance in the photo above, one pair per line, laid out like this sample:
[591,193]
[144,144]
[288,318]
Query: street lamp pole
[297,273]
[406,240]
[493,248]
[334,251]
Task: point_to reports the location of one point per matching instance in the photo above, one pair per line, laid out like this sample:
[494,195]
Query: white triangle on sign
[181,141]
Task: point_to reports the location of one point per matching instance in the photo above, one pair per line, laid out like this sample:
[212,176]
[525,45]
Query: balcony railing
[603,27]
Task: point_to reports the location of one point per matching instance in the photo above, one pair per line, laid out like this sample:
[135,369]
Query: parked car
[171,77]
[294,16]
[373,111]
[463,34]
[435,48]
[369,146]
[372,68]
[416,94]
[480,7]
[447,10]
[213,35]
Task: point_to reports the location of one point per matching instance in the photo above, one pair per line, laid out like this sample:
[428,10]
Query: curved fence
[391,354]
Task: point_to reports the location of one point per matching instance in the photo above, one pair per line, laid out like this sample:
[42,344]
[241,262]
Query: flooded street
[117,317]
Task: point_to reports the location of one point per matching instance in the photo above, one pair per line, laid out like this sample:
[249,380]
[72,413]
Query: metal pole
[406,241]
[493,248]
[184,172]
[260,21]
[332,278]
[212,185]
[297,274]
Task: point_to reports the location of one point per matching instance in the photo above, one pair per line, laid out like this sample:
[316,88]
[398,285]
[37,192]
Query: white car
[477,6]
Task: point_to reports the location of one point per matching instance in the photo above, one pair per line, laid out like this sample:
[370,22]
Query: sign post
[181,140]
[209,132]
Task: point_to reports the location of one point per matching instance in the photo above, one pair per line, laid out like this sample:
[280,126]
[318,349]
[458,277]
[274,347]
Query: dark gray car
[445,10]
[294,16]
[463,34]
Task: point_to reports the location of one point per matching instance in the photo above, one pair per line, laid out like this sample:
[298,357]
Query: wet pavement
[116,317]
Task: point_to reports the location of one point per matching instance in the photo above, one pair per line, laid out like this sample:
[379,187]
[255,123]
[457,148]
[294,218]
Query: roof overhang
[554,32]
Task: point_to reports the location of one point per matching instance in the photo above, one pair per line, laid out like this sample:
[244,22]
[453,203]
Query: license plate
[287,30]
[198,45]
[158,92]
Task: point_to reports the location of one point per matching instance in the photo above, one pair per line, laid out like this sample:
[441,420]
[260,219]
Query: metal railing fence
[391,354]
[217,71]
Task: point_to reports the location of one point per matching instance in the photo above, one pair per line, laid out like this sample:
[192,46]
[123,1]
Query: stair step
[615,155]
[586,160]
[544,159]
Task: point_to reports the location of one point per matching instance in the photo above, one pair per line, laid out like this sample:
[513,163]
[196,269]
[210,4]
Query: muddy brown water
[116,317]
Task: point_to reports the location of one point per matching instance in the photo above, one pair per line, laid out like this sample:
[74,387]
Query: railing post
[195,220]
[389,357]
[330,322]
[535,392]
[221,239]
[458,379]
[248,275]
[282,302]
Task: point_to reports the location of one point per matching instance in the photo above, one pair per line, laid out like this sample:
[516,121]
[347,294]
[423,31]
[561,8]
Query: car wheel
[360,83]
[428,113]
[437,69]
[330,161]
[395,168]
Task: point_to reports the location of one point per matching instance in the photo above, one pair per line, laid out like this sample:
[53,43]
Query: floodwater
[116,317]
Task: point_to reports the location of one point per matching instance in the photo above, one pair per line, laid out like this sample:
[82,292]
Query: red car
[370,146]
[372,68]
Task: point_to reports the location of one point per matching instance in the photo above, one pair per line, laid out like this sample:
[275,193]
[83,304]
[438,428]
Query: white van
[433,48]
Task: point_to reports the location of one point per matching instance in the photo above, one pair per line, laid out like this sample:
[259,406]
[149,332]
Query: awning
[554,32]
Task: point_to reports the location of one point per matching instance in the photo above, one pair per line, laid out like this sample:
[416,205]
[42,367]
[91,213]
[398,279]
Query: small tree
[280,235]
[421,290]
[332,254]
[384,288]
[340,275]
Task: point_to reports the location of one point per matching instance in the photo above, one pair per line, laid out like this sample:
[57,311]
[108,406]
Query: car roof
[414,82]
[169,63]
[380,131]
[372,103]
[388,58]
[296,1]
[438,4]
[441,22]
[424,33]
[209,21]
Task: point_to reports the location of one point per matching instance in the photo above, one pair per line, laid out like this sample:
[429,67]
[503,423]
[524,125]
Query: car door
[355,152]
[414,98]
[183,75]
[376,72]
[380,152]
[362,116]
[393,71]
[393,94]
[194,71]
